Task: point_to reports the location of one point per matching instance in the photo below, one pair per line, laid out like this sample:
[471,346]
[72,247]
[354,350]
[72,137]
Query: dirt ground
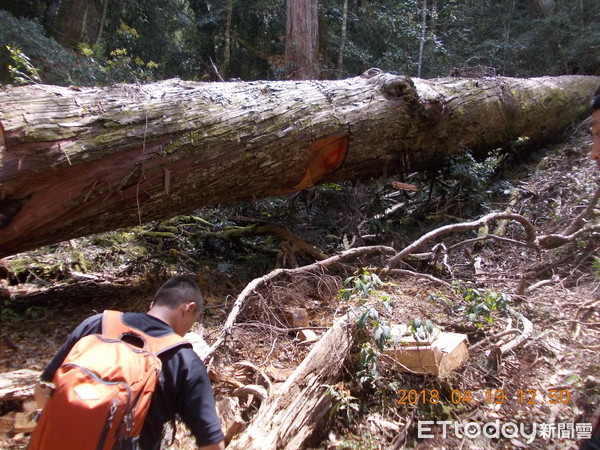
[551,379]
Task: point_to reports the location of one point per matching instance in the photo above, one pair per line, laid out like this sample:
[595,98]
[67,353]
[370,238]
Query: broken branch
[453,228]
[254,284]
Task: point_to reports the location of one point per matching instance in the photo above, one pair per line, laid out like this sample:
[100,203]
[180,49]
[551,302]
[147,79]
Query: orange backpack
[103,389]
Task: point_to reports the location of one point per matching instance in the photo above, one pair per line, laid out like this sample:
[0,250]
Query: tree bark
[17,385]
[302,39]
[77,161]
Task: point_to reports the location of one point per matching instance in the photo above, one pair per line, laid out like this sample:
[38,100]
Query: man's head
[178,302]
[595,127]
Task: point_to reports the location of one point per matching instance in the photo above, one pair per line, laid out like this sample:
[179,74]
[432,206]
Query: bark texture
[302,39]
[77,161]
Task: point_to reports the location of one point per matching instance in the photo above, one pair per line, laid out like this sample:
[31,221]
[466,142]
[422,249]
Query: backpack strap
[114,327]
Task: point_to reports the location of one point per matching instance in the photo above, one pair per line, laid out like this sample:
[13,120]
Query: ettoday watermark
[509,430]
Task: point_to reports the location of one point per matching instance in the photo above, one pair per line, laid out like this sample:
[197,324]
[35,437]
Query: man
[595,127]
[183,387]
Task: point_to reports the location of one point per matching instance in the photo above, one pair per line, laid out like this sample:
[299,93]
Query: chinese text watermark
[509,430]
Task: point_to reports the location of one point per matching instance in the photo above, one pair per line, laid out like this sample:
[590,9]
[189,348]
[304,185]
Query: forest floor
[552,379]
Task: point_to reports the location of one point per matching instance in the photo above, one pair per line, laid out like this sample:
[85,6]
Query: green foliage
[362,285]
[10,313]
[481,303]
[463,187]
[120,65]
[184,38]
[22,71]
[53,63]
[421,330]
[123,67]
[36,269]
[368,372]
[471,183]
[372,320]
[166,33]
[343,401]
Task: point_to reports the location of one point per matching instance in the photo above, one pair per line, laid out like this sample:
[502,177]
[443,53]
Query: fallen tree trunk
[288,419]
[76,161]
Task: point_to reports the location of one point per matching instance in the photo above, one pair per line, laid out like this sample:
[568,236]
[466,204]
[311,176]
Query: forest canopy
[142,41]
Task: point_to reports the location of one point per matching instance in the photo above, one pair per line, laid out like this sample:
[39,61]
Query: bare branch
[525,334]
[254,284]
[453,228]
[588,211]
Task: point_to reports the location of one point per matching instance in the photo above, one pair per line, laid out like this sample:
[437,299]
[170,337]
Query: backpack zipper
[113,407]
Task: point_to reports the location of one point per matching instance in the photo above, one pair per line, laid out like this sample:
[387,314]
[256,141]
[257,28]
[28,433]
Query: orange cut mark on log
[326,155]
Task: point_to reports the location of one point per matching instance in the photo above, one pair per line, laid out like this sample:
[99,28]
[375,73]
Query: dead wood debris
[494,347]
[257,399]
[255,284]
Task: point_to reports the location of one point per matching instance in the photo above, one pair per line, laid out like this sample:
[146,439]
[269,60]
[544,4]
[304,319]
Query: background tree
[340,61]
[422,40]
[72,22]
[181,38]
[227,39]
[302,39]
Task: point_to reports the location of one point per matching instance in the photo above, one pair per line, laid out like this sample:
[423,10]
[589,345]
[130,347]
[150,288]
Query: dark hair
[178,290]
[596,99]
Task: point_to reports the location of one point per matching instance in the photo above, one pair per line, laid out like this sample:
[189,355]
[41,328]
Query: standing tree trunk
[302,39]
[340,61]
[423,37]
[545,8]
[79,161]
[434,18]
[72,22]
[227,39]
[102,22]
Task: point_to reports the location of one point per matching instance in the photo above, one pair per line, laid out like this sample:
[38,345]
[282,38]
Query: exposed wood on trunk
[289,418]
[230,415]
[77,161]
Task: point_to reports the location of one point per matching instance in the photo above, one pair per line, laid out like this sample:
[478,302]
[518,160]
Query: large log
[288,419]
[76,161]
